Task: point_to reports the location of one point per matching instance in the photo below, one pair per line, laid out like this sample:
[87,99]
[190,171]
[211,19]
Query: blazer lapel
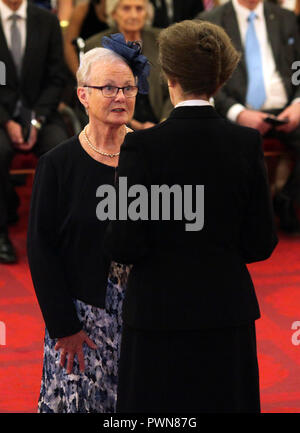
[231,26]
[32,35]
[6,56]
[273,31]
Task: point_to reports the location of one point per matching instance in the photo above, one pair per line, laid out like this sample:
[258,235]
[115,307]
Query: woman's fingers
[70,362]
[80,357]
[71,347]
[90,343]
[63,355]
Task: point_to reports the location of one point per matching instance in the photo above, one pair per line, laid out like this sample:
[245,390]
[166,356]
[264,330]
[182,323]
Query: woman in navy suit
[189,341]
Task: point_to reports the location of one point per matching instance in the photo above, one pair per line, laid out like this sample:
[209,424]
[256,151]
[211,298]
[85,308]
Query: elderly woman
[129,17]
[68,267]
[188,342]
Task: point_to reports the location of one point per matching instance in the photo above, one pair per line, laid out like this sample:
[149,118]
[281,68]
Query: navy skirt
[197,371]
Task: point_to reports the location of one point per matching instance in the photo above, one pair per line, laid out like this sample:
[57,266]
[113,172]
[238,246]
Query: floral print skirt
[95,390]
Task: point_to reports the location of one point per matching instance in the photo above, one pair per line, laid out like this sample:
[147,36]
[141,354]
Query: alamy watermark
[167,203]
[2,334]
[296,335]
[2,74]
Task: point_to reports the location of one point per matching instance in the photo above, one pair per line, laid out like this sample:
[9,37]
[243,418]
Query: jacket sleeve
[127,241]
[54,79]
[258,235]
[45,265]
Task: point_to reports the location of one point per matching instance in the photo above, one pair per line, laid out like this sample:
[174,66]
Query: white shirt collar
[192,102]
[6,12]
[244,12]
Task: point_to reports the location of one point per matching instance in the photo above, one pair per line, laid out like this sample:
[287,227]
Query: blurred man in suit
[31,49]
[268,38]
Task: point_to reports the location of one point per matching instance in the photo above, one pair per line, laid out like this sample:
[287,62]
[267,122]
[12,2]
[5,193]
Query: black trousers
[197,371]
[51,134]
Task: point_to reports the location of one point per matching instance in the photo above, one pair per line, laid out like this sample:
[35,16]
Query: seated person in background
[262,84]
[129,18]
[64,9]
[172,11]
[46,4]
[87,19]
[28,101]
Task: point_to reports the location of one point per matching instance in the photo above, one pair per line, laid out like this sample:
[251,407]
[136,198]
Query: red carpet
[277,283]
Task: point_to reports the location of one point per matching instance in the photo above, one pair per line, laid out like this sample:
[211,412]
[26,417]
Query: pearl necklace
[110,155]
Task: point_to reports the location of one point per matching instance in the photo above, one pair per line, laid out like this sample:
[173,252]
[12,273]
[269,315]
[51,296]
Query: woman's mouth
[118,110]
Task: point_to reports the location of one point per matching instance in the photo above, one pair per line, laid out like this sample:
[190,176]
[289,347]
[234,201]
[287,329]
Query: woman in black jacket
[65,240]
[189,313]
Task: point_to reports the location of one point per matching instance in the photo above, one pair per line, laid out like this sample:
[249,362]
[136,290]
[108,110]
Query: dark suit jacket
[195,279]
[42,76]
[285,42]
[158,90]
[183,10]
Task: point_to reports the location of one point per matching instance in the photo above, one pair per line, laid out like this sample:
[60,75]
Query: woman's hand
[71,346]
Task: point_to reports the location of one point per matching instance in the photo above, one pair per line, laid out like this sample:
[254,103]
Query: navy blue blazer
[195,279]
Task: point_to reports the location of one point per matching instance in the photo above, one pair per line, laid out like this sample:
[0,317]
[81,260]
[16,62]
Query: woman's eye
[109,88]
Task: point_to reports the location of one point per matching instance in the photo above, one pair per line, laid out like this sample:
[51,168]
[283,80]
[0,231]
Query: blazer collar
[273,29]
[32,38]
[231,25]
[188,112]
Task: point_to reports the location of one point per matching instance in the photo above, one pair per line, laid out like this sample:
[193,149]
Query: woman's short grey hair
[111,6]
[91,57]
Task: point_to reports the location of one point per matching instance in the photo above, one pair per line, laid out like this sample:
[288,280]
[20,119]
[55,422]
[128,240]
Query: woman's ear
[171,82]
[82,93]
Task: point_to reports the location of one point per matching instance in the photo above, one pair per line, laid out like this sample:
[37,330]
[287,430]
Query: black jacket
[195,279]
[42,76]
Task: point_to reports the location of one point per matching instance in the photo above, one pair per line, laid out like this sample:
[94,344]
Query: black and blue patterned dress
[95,390]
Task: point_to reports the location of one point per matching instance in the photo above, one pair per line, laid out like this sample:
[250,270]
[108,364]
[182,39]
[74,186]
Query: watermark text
[2,74]
[2,334]
[296,335]
[176,203]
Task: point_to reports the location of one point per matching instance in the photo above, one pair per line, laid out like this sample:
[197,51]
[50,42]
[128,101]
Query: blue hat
[131,52]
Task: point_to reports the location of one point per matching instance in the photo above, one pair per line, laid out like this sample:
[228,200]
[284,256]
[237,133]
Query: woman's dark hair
[197,54]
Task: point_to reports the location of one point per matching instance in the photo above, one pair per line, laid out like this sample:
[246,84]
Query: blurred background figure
[87,19]
[262,85]
[129,18]
[171,11]
[29,120]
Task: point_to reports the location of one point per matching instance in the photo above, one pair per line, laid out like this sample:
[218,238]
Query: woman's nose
[133,13]
[120,95]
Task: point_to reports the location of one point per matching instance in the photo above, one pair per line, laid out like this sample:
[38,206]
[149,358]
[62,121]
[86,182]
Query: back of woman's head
[197,54]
